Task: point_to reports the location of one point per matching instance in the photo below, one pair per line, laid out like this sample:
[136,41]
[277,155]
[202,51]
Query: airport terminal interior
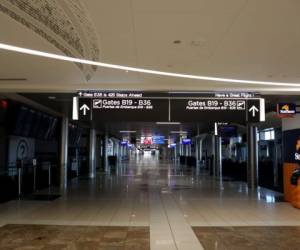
[149,125]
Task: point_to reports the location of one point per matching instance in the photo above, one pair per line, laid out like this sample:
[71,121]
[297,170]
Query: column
[107,170]
[118,150]
[103,152]
[252,159]
[213,161]
[77,161]
[64,152]
[198,151]
[217,156]
[92,154]
[190,149]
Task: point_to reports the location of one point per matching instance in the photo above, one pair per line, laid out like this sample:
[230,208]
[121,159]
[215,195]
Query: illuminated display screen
[227,130]
[158,139]
[186,141]
[146,140]
[124,143]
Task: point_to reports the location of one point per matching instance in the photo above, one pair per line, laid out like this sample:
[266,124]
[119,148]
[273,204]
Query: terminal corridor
[165,202]
[149,125]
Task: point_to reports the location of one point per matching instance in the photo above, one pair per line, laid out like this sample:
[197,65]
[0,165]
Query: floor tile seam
[170,223]
[120,208]
[176,204]
[192,209]
[112,214]
[133,207]
[99,212]
[22,214]
[155,197]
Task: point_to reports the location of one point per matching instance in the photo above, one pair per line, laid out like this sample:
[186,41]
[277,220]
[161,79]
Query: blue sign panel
[158,139]
[186,141]
[124,143]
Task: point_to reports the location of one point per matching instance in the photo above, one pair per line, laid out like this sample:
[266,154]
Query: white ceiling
[244,39]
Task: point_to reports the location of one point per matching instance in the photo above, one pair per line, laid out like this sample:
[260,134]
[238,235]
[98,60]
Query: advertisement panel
[291,146]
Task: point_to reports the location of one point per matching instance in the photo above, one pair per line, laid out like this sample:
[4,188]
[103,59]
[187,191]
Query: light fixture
[142,70]
[51,97]
[127,131]
[75,115]
[178,132]
[168,123]
[216,129]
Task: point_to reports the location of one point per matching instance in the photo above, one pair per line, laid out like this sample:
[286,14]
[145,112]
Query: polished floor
[165,197]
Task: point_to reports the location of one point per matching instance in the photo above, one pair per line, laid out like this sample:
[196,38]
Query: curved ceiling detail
[65,24]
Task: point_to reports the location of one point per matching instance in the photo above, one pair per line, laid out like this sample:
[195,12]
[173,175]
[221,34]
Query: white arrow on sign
[85,108]
[253,109]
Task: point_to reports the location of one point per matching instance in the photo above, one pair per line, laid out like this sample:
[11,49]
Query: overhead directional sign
[120,106]
[208,109]
[163,107]
[85,109]
[255,110]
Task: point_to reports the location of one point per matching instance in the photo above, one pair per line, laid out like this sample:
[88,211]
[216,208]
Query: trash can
[295,181]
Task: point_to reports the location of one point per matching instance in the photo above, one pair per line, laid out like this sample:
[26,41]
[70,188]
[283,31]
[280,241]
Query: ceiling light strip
[139,70]
[168,123]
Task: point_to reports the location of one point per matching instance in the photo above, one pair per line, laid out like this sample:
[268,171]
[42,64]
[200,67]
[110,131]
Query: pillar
[92,154]
[64,152]
[198,151]
[252,159]
[217,156]
[106,154]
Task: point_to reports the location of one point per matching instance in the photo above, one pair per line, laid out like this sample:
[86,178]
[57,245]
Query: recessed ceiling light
[168,123]
[196,43]
[178,132]
[177,42]
[127,131]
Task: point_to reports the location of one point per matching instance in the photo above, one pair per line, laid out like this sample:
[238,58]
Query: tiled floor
[249,238]
[38,237]
[160,195]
